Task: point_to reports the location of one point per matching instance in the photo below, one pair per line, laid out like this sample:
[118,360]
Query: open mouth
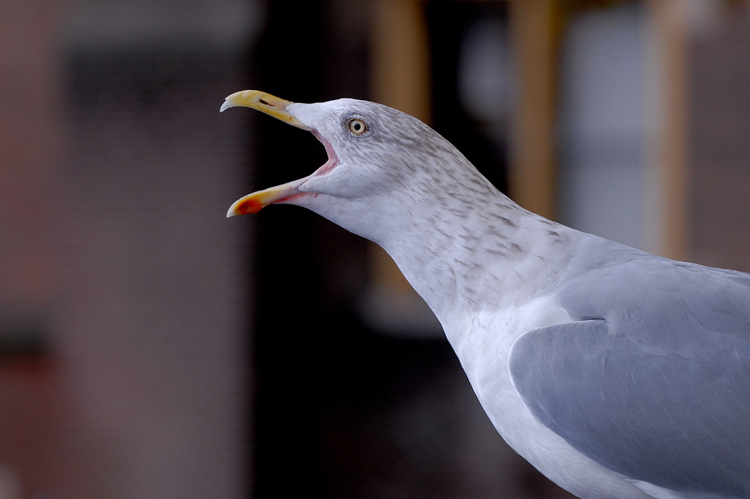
[276,107]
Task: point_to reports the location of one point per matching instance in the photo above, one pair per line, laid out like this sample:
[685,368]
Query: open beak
[273,106]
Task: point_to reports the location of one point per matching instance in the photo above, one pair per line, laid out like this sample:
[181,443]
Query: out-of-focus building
[124,294]
[151,348]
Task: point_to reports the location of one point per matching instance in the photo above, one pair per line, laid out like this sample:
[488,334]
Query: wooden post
[667,175]
[401,73]
[534,33]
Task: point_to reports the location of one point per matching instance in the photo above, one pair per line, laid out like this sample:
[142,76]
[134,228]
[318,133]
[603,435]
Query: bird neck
[464,257]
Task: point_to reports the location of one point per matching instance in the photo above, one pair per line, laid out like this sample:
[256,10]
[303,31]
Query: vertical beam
[401,73]
[532,170]
[35,414]
[667,176]
[30,150]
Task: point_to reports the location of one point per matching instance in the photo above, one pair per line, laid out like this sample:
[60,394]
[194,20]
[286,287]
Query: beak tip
[226,105]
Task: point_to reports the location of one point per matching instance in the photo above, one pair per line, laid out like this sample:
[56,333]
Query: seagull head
[381,162]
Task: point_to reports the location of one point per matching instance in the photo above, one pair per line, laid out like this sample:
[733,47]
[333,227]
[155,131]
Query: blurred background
[151,348]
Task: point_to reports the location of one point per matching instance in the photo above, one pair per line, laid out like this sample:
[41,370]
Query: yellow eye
[357,126]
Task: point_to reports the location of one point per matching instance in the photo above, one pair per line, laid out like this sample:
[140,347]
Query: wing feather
[653,379]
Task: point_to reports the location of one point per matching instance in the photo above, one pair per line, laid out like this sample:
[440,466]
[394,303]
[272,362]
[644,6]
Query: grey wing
[653,381]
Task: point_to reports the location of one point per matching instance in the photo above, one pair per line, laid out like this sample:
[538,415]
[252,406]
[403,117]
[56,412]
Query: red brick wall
[31,404]
[116,170]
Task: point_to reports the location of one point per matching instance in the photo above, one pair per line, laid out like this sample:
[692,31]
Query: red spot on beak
[249,206]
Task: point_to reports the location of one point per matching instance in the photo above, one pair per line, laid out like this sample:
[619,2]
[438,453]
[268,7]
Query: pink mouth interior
[252,205]
[333,160]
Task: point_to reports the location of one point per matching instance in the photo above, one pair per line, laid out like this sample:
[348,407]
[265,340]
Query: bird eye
[357,126]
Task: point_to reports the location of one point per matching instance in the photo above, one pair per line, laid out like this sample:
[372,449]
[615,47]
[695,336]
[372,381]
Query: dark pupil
[357,126]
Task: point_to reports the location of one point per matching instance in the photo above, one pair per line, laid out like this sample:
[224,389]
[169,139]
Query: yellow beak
[263,102]
[253,203]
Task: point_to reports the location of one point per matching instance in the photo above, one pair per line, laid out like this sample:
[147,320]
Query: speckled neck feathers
[460,242]
[465,246]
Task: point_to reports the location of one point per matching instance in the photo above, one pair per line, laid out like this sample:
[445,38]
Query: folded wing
[653,380]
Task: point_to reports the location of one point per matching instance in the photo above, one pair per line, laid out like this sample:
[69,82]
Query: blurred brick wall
[29,151]
[116,170]
[32,407]
[153,335]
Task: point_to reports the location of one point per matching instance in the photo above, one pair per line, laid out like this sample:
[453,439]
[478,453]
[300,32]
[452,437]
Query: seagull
[615,372]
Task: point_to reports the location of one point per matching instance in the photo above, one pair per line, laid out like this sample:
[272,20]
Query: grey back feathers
[653,379]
